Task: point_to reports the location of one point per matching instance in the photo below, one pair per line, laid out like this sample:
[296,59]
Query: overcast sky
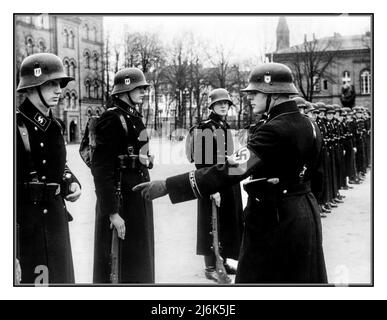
[245,35]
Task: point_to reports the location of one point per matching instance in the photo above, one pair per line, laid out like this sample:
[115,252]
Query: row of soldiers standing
[346,151]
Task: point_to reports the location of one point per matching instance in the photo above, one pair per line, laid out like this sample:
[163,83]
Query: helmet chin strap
[132,104]
[268,102]
[42,98]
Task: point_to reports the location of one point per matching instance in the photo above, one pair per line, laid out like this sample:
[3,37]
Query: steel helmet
[330,108]
[321,106]
[310,107]
[128,79]
[357,109]
[271,78]
[301,103]
[39,68]
[217,95]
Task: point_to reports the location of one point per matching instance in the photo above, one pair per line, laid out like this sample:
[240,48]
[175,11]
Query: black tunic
[137,250]
[230,210]
[282,241]
[44,232]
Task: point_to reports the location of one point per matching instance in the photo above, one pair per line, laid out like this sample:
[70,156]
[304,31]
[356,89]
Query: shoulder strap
[27,146]
[124,125]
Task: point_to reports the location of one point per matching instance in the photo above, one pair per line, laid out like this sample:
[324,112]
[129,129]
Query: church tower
[282,34]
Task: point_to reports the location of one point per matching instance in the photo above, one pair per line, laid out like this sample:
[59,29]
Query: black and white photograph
[197,150]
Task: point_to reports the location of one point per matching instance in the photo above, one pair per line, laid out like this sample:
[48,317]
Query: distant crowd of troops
[346,151]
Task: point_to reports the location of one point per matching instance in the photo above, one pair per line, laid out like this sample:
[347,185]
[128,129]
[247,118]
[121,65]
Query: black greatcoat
[44,232]
[137,250]
[230,210]
[282,241]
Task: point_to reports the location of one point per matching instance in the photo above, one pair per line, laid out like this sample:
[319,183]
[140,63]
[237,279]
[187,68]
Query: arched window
[98,112]
[86,32]
[87,59]
[41,46]
[67,100]
[346,77]
[89,112]
[71,39]
[94,34]
[95,60]
[87,86]
[73,101]
[95,87]
[66,66]
[66,38]
[365,82]
[72,69]
[30,45]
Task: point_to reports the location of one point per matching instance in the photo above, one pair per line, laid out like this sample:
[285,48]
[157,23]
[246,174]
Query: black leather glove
[152,190]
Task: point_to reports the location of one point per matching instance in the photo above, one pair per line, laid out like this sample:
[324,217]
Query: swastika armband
[242,161]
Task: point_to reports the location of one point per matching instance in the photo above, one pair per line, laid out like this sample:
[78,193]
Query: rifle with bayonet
[114,251]
[219,267]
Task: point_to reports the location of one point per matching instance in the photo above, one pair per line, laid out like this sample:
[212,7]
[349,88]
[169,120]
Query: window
[89,112]
[87,86]
[72,69]
[316,83]
[41,46]
[95,60]
[325,85]
[73,101]
[66,38]
[67,100]
[365,82]
[95,91]
[71,39]
[86,32]
[346,77]
[98,112]
[30,46]
[87,59]
[66,66]
[28,19]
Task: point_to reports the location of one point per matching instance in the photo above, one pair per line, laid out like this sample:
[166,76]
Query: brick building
[78,41]
[351,62]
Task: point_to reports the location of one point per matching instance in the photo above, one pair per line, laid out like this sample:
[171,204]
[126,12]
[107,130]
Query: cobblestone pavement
[346,231]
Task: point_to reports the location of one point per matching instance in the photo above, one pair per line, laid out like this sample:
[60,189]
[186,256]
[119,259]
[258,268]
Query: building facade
[351,63]
[78,41]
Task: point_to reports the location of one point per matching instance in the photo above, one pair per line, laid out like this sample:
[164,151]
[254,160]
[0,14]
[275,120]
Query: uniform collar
[217,118]
[284,107]
[127,108]
[34,115]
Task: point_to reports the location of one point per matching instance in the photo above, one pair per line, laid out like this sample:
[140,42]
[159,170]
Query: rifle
[220,270]
[114,251]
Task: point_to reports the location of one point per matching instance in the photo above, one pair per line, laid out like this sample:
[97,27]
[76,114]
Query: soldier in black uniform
[333,151]
[359,143]
[43,178]
[282,240]
[121,132]
[325,196]
[351,125]
[213,141]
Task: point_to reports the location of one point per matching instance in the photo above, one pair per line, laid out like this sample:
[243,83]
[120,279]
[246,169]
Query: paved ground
[347,230]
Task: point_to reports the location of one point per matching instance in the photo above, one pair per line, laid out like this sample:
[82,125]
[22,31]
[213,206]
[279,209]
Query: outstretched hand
[152,190]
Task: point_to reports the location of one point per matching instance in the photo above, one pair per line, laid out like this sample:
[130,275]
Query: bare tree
[176,76]
[220,60]
[310,63]
[238,81]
